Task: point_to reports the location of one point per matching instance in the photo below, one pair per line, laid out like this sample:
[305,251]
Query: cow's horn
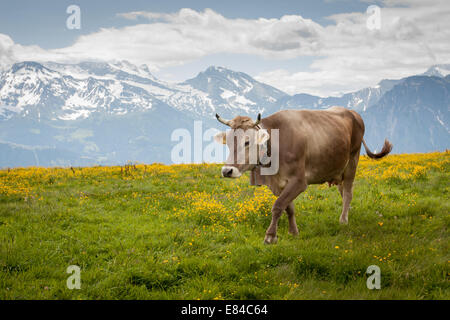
[258,120]
[226,122]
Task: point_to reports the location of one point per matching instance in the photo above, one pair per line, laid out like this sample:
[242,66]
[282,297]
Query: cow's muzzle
[230,172]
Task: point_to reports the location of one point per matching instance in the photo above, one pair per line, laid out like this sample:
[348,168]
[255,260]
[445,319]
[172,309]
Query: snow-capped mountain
[76,91]
[112,112]
[235,92]
[415,115]
[359,100]
[439,70]
[32,89]
[117,70]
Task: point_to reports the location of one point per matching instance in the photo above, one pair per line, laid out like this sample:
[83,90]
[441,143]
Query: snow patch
[226,94]
[75,114]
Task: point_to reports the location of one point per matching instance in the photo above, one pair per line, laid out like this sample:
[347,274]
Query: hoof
[294,233]
[343,221]
[270,239]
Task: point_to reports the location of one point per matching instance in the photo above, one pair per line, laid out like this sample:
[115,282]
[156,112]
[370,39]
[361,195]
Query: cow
[314,147]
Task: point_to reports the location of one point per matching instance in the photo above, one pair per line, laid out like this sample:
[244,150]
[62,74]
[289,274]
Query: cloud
[177,38]
[6,51]
[11,52]
[412,37]
[348,56]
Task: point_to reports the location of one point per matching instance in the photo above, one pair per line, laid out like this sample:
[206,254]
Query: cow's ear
[262,136]
[221,137]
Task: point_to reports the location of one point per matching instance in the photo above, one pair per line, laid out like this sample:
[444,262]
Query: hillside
[181,232]
[414,115]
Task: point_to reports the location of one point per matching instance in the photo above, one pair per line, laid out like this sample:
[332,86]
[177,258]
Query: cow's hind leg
[347,196]
[341,189]
[346,188]
[290,210]
[289,193]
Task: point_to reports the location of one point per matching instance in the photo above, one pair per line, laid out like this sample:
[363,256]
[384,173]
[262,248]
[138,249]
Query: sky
[325,47]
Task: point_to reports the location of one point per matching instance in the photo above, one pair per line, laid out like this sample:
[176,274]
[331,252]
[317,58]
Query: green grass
[135,234]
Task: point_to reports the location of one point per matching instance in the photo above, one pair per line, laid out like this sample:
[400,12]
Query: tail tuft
[387,148]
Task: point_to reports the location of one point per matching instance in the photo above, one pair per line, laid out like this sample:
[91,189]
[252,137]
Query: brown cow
[315,146]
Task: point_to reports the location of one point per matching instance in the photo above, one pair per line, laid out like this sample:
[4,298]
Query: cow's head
[245,141]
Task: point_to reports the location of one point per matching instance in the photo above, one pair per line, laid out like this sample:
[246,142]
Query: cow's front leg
[289,193]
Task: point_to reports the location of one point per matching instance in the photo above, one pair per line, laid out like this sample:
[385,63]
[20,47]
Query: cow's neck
[264,151]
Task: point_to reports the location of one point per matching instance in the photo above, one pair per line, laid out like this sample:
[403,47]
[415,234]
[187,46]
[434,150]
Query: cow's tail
[387,147]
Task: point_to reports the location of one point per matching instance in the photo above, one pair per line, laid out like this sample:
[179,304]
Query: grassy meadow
[182,232]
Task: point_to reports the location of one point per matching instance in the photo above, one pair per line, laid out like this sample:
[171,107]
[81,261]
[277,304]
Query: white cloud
[11,52]
[413,36]
[173,39]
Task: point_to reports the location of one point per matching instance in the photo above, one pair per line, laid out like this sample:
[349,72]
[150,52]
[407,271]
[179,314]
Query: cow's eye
[247,143]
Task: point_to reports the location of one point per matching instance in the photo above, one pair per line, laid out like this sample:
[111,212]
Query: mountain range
[54,114]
